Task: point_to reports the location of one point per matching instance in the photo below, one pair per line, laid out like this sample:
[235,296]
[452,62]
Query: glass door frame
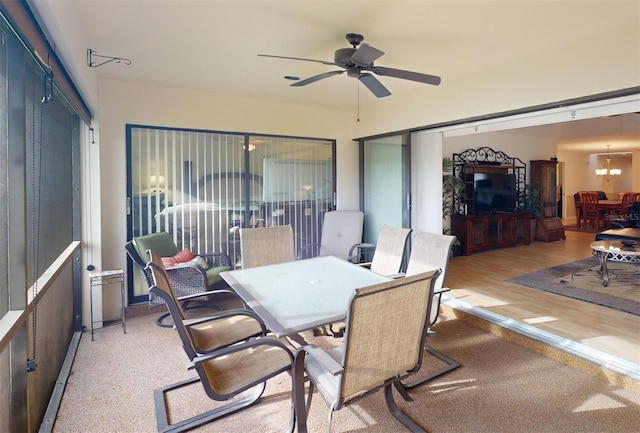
[405,143]
[300,186]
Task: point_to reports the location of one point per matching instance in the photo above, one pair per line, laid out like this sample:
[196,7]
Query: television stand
[495,230]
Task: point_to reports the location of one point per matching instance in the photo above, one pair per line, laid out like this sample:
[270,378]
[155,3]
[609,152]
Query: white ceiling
[213,46]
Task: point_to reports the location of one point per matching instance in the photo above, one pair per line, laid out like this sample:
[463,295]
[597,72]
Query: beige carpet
[501,387]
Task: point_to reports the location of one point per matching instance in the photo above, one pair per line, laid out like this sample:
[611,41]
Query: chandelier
[607,172]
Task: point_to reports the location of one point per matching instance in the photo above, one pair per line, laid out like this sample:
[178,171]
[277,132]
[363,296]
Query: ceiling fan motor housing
[342,57]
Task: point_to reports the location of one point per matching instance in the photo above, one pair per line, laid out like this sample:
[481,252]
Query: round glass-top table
[614,251]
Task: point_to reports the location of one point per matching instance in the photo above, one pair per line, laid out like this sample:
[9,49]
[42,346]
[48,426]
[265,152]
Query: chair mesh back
[386,327]
[161,281]
[389,252]
[341,229]
[430,251]
[266,246]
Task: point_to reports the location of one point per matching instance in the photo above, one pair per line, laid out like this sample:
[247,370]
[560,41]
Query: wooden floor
[479,280]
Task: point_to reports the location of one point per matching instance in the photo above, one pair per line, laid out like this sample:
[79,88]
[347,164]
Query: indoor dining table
[609,205]
[304,294]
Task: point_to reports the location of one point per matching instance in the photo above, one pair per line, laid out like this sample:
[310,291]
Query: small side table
[614,251]
[102,278]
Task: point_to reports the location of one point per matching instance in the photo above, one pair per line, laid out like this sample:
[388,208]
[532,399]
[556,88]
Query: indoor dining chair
[386,326]
[592,216]
[625,201]
[230,352]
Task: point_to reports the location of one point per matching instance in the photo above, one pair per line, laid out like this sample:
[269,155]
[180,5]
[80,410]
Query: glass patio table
[301,295]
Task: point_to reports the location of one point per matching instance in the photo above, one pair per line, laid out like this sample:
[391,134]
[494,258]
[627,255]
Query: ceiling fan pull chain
[357,102]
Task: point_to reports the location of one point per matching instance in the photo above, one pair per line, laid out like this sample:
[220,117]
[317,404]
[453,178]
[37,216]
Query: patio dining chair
[262,246]
[388,251]
[386,326]
[429,251]
[230,353]
[341,229]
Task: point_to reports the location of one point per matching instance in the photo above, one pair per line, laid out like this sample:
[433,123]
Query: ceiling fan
[357,63]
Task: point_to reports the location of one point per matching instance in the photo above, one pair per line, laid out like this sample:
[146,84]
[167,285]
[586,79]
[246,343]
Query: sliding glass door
[203,186]
[385,183]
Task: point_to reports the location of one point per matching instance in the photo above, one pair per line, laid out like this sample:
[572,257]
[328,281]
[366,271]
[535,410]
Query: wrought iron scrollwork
[485,156]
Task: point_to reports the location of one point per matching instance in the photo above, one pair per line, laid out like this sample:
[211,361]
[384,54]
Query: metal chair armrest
[255,342]
[358,249]
[216,259]
[321,357]
[224,314]
[441,290]
[206,293]
[303,254]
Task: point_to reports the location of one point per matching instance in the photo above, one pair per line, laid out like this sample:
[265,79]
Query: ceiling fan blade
[406,75]
[316,78]
[297,58]
[374,85]
[366,55]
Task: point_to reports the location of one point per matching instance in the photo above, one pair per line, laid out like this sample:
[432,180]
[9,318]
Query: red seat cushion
[181,257]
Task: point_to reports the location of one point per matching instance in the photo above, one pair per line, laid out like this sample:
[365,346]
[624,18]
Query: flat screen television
[494,192]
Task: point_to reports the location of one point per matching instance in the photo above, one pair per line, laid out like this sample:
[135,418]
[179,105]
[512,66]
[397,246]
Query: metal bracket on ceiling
[91,54]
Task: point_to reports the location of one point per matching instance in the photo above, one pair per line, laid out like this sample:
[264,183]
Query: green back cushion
[213,274]
[160,243]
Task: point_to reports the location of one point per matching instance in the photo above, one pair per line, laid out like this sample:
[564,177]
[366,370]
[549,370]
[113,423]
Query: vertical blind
[203,186]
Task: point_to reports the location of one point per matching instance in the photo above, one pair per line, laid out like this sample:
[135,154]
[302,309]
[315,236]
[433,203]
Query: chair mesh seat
[218,333]
[227,374]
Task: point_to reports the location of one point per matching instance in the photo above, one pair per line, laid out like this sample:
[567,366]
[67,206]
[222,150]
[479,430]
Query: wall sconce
[156,184]
[607,172]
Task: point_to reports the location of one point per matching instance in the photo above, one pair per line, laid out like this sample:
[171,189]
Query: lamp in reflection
[156,184]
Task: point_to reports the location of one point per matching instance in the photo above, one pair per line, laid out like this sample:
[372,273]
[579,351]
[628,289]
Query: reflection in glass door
[385,184]
[201,187]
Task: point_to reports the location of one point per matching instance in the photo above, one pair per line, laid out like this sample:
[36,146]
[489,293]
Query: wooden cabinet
[549,229]
[543,177]
[483,232]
